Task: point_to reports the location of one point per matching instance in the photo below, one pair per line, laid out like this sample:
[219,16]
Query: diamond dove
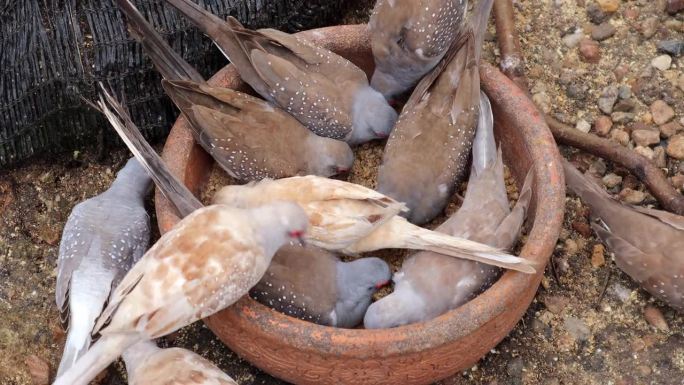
[324,91]
[409,38]
[103,237]
[430,284]
[427,153]
[648,244]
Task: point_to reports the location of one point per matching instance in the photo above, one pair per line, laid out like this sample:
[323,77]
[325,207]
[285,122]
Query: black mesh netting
[53,51]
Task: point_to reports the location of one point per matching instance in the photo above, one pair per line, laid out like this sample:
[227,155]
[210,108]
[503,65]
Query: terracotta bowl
[305,353]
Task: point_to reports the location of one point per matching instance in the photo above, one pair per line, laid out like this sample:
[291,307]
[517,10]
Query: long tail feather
[101,354]
[169,63]
[484,145]
[169,185]
[399,233]
[77,343]
[480,20]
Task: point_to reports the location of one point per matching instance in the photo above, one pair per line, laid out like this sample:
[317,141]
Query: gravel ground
[595,65]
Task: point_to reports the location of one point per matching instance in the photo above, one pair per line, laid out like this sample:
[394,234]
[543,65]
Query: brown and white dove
[353,219]
[427,153]
[249,138]
[430,284]
[314,285]
[103,237]
[305,282]
[205,263]
[409,38]
[146,364]
[647,244]
[324,91]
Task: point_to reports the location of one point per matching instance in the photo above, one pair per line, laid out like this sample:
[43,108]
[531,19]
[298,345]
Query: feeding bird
[103,237]
[305,282]
[314,285]
[324,91]
[430,284]
[353,219]
[146,364]
[249,138]
[426,155]
[409,38]
[648,244]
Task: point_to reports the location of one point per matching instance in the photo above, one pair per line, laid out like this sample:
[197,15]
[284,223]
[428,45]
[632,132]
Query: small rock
[608,97]
[602,31]
[543,101]
[655,318]
[662,62]
[678,181]
[631,196]
[598,167]
[646,137]
[620,292]
[649,27]
[625,105]
[583,125]
[624,92]
[611,180]
[622,117]
[621,71]
[582,227]
[571,247]
[602,125]
[662,112]
[675,147]
[514,368]
[669,129]
[631,14]
[577,328]
[672,47]
[674,6]
[647,118]
[620,136]
[644,370]
[555,303]
[646,152]
[659,157]
[609,6]
[630,181]
[577,91]
[598,258]
[589,51]
[572,39]
[596,14]
[38,369]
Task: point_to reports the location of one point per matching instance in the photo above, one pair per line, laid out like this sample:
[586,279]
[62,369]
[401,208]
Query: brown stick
[641,167]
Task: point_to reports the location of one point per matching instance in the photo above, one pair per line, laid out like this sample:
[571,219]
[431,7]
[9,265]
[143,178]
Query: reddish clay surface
[305,353]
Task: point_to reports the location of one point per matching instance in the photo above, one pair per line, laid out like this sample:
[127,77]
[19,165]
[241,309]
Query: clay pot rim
[413,337]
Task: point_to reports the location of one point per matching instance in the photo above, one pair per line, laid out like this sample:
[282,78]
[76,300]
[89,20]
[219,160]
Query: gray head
[402,307]
[357,281]
[328,157]
[280,223]
[132,179]
[373,117]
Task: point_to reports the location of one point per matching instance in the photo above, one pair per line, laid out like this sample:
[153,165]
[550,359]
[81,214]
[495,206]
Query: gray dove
[426,155]
[324,91]
[430,284]
[249,138]
[103,237]
[314,285]
[318,286]
[647,244]
[409,38]
[146,364]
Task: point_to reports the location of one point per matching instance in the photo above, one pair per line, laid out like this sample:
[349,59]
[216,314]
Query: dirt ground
[589,323]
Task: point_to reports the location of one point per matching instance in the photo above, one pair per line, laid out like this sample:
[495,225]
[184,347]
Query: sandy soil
[587,324]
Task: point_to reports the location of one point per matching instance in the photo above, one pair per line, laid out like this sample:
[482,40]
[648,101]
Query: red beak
[380,285]
[299,236]
[342,170]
